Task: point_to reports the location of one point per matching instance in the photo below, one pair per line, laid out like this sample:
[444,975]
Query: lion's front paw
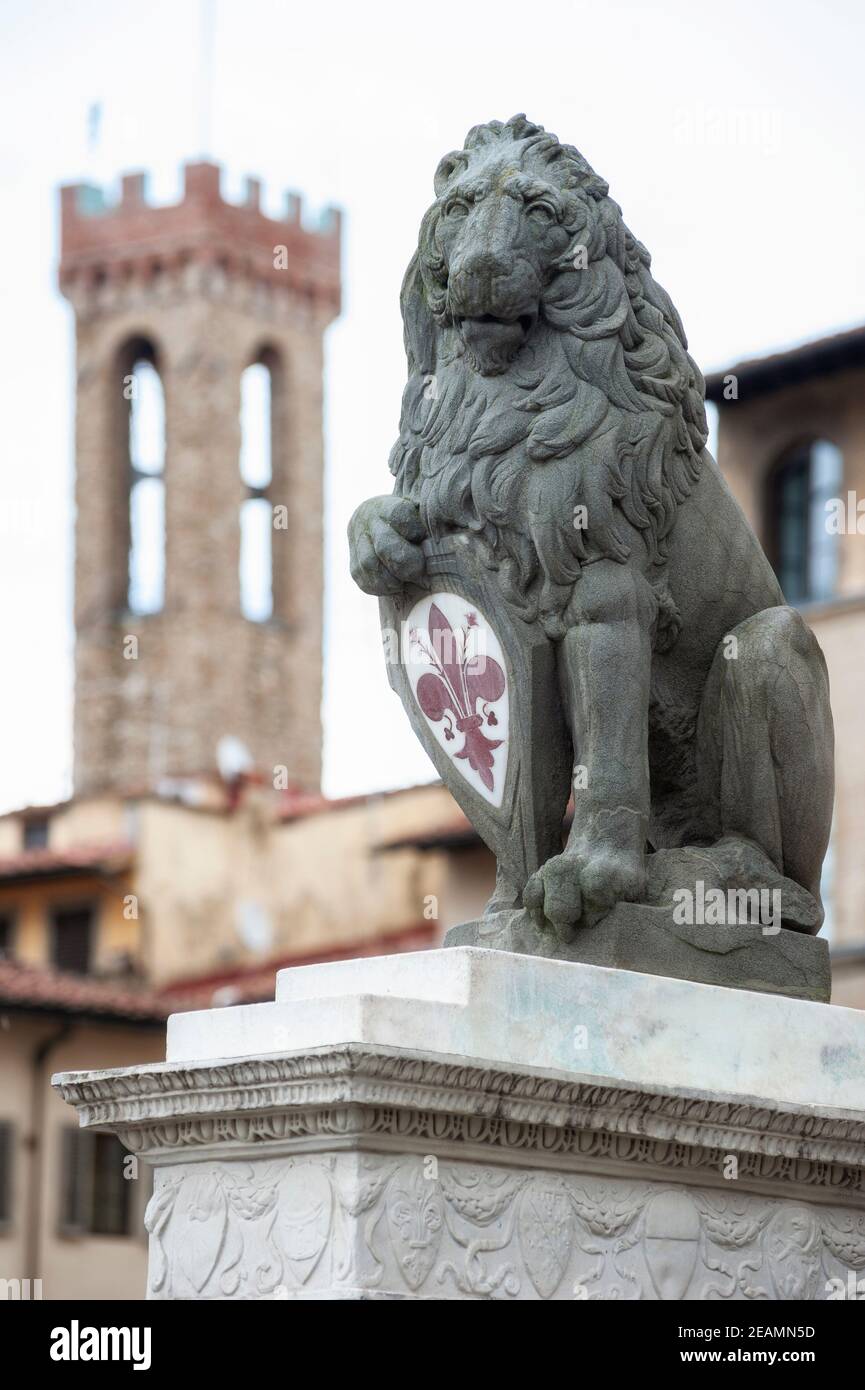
[384,538]
[581,885]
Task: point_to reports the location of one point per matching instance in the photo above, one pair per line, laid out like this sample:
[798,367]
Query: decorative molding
[357,1095]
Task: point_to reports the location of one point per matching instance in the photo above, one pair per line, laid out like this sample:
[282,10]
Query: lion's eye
[457,208]
[542,212]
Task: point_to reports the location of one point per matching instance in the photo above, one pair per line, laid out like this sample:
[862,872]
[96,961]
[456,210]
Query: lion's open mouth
[492,321]
[494,342]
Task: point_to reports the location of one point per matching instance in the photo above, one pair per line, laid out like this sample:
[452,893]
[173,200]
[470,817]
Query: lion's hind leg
[765,743]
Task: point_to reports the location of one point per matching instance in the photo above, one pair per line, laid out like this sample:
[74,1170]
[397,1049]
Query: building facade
[71,1208]
[791,443]
[116,912]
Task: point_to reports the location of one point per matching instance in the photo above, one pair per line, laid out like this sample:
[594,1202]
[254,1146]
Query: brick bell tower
[194,294]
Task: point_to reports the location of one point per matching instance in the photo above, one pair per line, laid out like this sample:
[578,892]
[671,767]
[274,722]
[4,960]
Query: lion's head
[533,327]
[503,229]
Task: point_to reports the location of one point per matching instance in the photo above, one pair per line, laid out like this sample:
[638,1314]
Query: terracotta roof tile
[43,989]
[33,986]
[256,983]
[294,804]
[34,862]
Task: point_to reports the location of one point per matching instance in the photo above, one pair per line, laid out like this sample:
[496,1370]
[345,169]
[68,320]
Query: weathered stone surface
[613,1135]
[554,495]
[636,937]
[502,1008]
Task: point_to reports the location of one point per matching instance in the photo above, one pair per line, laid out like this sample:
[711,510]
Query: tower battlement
[104,243]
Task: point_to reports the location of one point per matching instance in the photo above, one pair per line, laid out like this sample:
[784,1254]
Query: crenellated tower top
[107,245]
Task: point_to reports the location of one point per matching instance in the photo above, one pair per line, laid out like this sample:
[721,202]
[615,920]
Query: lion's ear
[417,321]
[456,160]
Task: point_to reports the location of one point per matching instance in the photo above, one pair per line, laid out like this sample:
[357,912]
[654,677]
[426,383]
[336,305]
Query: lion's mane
[603,408]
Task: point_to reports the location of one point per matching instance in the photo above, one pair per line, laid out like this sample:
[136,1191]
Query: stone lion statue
[552,413]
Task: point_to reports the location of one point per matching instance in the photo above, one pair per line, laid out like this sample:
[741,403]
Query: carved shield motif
[479,686]
[672,1243]
[414,1222]
[794,1241]
[303,1216]
[201,1205]
[545,1226]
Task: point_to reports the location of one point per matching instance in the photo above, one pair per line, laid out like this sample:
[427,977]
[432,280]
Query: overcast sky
[731,135]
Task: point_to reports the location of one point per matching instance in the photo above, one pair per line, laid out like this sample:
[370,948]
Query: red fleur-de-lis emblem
[458,682]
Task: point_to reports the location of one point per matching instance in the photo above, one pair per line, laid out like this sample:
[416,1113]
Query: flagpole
[207,24]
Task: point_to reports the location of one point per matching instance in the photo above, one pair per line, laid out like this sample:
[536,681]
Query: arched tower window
[142,389]
[805,551]
[256,509]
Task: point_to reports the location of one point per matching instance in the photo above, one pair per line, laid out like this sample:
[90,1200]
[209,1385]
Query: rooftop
[43,990]
[759,375]
[79,859]
[37,988]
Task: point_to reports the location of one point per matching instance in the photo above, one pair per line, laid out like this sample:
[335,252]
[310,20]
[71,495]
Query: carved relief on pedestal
[418,1227]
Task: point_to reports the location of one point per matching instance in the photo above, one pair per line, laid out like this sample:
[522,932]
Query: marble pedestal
[635,936]
[467,1123]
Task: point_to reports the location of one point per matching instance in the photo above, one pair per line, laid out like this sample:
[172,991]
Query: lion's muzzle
[492,343]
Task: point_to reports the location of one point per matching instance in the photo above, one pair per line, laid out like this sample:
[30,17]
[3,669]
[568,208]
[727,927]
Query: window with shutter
[36,832]
[111,1190]
[5,1172]
[72,939]
[805,552]
[76,1172]
[96,1197]
[7,931]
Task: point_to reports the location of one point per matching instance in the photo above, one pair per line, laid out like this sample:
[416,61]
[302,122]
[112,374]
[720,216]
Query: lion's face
[501,233]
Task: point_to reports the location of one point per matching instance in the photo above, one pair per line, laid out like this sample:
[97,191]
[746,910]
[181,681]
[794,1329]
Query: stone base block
[476,1124]
[647,939]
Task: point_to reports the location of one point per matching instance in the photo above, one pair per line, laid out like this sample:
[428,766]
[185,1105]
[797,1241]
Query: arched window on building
[804,550]
[256,510]
[142,389]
